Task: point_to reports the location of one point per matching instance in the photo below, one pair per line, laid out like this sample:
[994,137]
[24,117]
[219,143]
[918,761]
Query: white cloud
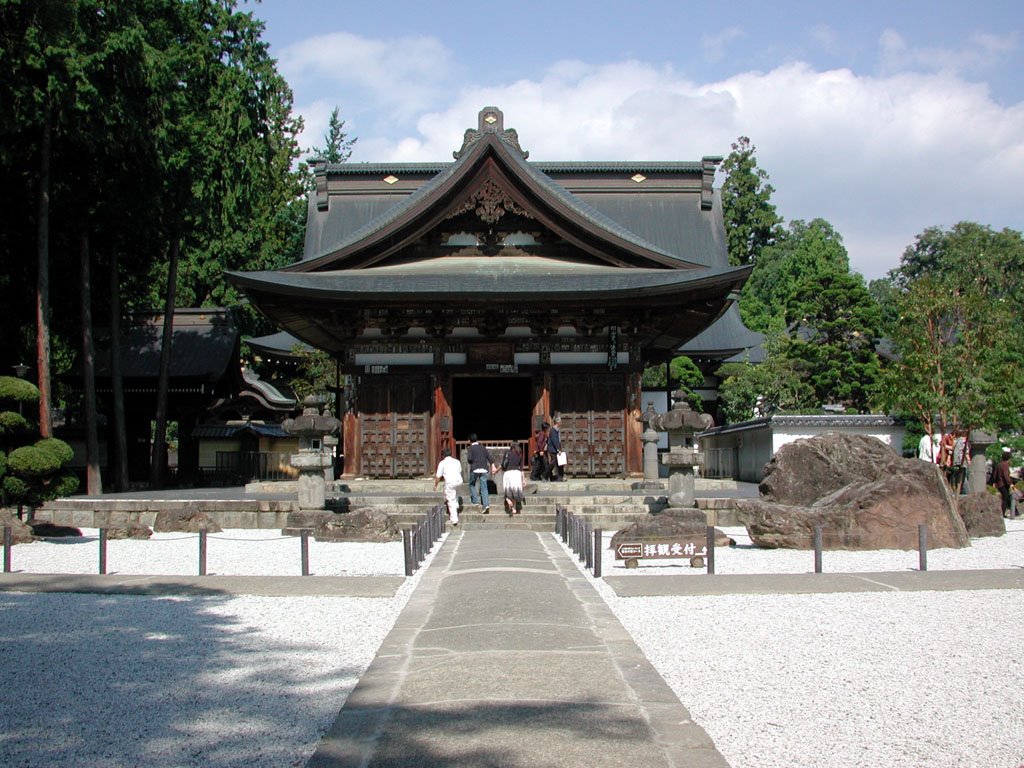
[880,157]
[714,46]
[979,52]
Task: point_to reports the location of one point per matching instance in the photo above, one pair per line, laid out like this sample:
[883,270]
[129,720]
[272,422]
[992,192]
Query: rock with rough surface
[130,531]
[982,514]
[20,533]
[682,523]
[863,494]
[184,521]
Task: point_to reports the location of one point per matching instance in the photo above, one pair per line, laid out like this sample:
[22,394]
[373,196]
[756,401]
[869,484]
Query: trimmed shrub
[44,458]
[12,423]
[13,390]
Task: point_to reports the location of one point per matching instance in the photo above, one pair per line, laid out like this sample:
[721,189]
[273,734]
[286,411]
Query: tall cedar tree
[751,222]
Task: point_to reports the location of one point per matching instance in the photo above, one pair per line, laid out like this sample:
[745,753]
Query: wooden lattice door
[394,418]
[593,428]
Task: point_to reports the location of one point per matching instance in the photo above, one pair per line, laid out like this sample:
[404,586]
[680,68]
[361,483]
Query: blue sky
[882,117]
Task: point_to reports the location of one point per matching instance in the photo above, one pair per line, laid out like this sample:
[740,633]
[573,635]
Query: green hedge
[12,423]
[44,458]
[14,390]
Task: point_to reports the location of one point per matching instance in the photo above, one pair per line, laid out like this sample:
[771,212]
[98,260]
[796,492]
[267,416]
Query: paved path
[506,656]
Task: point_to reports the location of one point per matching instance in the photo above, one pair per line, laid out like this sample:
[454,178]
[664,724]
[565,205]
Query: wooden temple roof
[644,242]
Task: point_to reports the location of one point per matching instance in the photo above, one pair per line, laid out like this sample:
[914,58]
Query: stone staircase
[609,504]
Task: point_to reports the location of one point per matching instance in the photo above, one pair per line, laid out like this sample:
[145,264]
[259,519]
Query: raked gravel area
[893,680]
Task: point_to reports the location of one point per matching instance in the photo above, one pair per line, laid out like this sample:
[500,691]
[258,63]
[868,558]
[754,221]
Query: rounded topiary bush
[15,488]
[15,391]
[64,485]
[44,458]
[12,423]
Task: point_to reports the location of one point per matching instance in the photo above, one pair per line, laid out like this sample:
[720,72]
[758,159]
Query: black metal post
[817,549]
[598,546]
[711,550]
[922,547]
[103,550]
[407,548]
[588,552]
[304,536]
[202,553]
[8,535]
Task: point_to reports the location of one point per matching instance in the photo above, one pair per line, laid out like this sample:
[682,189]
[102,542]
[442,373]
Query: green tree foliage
[685,376]
[337,145]
[958,358]
[315,374]
[802,286]
[30,472]
[779,383]
[840,324]
[166,115]
[751,222]
[801,254]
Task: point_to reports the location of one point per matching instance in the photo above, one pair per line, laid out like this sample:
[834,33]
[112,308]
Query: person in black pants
[539,461]
[556,472]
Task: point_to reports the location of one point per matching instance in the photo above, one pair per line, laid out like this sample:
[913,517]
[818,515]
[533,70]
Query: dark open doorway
[492,408]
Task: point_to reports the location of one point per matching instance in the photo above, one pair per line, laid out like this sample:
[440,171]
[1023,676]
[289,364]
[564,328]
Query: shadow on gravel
[104,680]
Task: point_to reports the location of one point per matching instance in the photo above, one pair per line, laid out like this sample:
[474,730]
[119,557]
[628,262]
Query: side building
[489,294]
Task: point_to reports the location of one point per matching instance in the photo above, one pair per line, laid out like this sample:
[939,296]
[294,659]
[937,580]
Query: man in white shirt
[450,470]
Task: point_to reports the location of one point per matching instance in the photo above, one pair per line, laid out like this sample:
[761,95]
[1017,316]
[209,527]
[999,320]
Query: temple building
[489,294]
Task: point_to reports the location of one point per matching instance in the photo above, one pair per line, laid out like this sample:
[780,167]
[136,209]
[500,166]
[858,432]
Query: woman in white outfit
[512,482]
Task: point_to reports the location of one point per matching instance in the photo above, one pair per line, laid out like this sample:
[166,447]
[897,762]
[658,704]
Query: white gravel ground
[893,680]
[886,680]
[91,681]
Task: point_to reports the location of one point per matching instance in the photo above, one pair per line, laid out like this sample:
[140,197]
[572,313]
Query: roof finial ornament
[490,120]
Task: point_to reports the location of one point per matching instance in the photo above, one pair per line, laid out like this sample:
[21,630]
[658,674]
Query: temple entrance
[494,408]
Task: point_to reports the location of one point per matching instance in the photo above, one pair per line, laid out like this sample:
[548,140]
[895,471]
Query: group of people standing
[544,465]
[951,452]
[547,442]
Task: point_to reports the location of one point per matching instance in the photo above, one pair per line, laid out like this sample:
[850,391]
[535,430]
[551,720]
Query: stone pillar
[977,472]
[650,440]
[311,485]
[681,491]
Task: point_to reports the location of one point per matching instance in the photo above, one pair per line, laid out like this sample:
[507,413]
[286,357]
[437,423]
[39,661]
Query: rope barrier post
[598,544]
[8,534]
[922,547]
[817,549]
[202,553]
[407,548]
[304,536]
[103,550]
[711,550]
[588,552]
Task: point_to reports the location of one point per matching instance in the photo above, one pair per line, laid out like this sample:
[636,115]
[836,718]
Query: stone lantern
[311,461]
[680,423]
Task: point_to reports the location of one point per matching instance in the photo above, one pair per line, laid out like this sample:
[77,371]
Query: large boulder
[365,524]
[20,532]
[185,521]
[136,531]
[982,514]
[859,490]
[672,523]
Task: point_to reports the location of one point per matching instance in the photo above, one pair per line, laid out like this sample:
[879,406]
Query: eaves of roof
[478,284]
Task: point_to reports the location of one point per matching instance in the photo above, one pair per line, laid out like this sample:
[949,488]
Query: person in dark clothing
[481,466]
[556,472]
[539,461]
[1003,482]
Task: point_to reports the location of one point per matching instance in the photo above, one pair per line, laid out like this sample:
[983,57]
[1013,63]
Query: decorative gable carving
[490,202]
